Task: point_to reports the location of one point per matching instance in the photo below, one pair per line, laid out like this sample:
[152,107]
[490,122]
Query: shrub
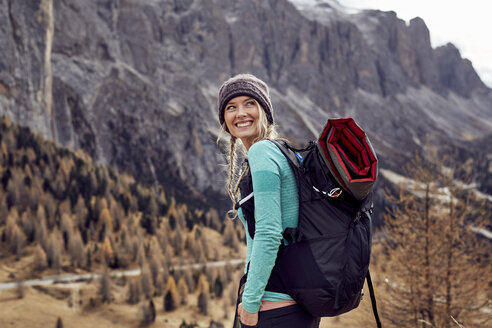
[187,325]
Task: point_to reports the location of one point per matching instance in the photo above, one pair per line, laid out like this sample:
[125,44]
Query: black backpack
[322,263]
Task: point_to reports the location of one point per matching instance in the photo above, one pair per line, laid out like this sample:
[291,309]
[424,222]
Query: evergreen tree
[76,250]
[40,259]
[27,225]
[178,242]
[89,258]
[117,213]
[81,212]
[146,282]
[134,291]
[203,302]
[53,251]
[66,229]
[168,256]
[212,219]
[218,286]
[159,285]
[155,270]
[230,236]
[16,189]
[4,210]
[105,287]
[232,295]
[204,246]
[41,229]
[162,237]
[190,282]
[141,258]
[183,291]
[11,223]
[50,210]
[18,242]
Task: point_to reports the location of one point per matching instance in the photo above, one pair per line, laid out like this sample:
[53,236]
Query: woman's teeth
[240,125]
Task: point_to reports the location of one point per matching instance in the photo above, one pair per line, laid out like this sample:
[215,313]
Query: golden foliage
[434,259]
[40,259]
[107,251]
[105,220]
[202,284]
[55,198]
[171,295]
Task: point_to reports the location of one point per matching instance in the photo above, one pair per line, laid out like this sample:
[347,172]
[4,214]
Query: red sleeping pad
[349,155]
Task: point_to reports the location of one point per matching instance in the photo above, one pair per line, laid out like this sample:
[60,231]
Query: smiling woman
[235,97]
[246,114]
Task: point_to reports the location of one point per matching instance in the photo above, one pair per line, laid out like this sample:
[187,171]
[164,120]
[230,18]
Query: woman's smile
[244,124]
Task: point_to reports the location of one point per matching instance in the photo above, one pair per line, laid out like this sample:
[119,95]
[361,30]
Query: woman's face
[241,116]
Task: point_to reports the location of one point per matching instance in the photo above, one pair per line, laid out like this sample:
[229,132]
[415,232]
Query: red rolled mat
[349,155]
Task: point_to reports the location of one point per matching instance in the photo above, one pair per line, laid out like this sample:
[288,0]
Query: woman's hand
[246,318]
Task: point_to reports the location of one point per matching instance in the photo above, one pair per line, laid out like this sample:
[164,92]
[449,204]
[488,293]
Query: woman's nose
[241,111]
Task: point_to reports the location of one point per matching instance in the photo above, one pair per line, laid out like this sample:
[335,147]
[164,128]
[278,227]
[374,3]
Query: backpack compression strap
[373,299]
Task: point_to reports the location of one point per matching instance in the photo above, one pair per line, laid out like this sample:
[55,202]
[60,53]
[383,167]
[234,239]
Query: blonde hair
[236,171]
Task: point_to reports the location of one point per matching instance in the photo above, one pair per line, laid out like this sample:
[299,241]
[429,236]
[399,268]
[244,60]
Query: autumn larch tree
[437,267]
[171,295]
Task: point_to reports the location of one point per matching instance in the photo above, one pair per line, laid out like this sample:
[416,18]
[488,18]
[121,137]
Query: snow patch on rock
[323,11]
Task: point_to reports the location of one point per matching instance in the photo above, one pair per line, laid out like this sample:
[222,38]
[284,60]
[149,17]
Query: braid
[272,132]
[232,167]
[233,182]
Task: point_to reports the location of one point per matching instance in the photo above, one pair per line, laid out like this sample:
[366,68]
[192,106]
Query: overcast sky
[466,24]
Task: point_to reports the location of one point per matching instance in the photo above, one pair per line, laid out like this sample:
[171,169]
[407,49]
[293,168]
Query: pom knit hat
[245,85]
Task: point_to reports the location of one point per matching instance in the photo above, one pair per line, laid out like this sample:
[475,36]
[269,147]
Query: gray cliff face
[134,83]
[25,78]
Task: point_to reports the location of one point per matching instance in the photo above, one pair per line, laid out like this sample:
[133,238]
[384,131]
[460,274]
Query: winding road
[125,273]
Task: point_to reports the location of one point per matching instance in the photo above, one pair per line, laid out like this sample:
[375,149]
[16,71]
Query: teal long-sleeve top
[276,208]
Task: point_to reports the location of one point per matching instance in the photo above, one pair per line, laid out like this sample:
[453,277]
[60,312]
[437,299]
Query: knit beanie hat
[245,85]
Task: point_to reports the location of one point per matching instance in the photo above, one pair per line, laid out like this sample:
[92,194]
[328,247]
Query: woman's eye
[250,103]
[230,107]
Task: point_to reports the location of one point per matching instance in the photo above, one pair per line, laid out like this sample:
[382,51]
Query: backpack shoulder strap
[288,151]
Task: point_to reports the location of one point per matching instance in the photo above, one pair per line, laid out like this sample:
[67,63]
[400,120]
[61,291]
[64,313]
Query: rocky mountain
[135,83]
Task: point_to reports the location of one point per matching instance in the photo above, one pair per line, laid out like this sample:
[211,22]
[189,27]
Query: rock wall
[134,83]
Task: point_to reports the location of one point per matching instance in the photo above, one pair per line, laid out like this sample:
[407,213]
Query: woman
[246,114]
